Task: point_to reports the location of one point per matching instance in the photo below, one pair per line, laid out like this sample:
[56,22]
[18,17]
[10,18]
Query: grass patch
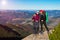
[56,33]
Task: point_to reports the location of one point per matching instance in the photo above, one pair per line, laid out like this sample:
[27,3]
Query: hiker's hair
[44,12]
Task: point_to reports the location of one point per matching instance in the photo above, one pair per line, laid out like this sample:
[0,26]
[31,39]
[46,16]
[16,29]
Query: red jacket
[36,18]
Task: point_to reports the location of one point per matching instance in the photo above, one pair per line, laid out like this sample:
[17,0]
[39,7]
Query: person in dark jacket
[35,20]
[43,20]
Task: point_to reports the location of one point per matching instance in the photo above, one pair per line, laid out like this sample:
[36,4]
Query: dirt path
[39,36]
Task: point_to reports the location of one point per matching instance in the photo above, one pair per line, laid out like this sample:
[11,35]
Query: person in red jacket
[35,20]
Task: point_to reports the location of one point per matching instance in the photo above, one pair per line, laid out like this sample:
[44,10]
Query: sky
[30,4]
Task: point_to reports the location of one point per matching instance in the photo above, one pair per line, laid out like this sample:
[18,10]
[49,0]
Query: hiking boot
[48,32]
[41,32]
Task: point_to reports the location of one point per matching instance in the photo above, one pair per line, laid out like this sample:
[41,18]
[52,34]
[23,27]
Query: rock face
[39,36]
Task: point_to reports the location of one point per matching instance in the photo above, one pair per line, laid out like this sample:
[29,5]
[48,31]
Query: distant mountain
[53,13]
[19,15]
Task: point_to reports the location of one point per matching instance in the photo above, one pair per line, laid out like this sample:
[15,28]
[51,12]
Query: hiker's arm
[32,19]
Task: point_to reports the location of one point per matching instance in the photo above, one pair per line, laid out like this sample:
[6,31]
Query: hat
[41,11]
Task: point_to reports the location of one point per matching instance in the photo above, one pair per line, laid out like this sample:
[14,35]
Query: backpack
[46,17]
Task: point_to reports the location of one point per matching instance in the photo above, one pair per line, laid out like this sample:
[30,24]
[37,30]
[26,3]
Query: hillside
[6,32]
[9,31]
[23,30]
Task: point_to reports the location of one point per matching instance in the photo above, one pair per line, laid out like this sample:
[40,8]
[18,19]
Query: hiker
[35,20]
[43,18]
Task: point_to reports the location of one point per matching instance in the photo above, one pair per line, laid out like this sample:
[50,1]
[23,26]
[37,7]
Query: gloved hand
[36,21]
[42,20]
[32,20]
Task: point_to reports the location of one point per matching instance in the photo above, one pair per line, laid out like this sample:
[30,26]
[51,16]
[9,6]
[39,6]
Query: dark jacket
[42,17]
